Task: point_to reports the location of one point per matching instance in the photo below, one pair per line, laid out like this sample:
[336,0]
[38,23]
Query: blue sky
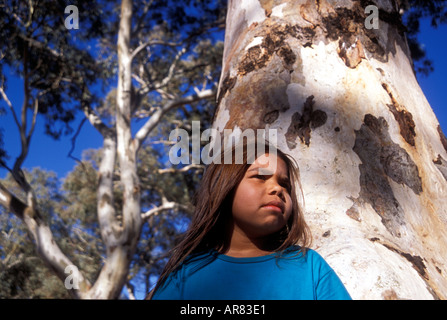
[435,85]
[50,154]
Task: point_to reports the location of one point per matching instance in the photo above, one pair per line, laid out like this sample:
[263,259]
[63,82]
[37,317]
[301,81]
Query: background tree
[346,103]
[23,274]
[163,63]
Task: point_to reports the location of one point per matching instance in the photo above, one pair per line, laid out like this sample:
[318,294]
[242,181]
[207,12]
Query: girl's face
[262,204]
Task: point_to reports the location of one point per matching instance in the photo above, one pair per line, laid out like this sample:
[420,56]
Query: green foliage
[53,61]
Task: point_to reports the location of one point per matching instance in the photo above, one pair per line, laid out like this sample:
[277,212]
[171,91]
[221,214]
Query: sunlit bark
[347,106]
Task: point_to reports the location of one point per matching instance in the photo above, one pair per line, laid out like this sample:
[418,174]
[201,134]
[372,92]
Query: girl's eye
[286,185]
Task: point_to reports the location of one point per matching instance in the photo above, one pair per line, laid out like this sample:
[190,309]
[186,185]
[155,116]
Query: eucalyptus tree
[336,79]
[162,57]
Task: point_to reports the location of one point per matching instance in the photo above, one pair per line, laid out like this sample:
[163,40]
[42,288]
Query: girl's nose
[276,189]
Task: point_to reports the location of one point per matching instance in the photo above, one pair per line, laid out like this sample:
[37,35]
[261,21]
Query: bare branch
[184,169]
[147,86]
[37,44]
[164,207]
[156,117]
[130,290]
[168,78]
[152,43]
[73,142]
[95,120]
[8,102]
[41,233]
[33,121]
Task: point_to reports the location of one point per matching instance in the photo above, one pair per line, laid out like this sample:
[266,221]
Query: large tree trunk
[348,107]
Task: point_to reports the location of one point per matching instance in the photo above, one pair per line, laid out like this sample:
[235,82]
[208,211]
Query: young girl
[242,242]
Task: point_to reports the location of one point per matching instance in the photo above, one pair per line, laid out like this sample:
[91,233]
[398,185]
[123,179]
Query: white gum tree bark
[120,237]
[342,93]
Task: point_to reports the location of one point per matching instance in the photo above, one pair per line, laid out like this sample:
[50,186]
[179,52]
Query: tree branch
[36,44]
[8,102]
[184,169]
[45,244]
[164,207]
[109,226]
[152,43]
[156,117]
[120,241]
[95,120]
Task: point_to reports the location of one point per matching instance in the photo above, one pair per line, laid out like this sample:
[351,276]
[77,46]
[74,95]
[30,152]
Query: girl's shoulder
[198,256]
[199,259]
[303,254]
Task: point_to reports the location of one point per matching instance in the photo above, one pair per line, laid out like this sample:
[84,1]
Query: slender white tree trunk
[346,103]
[120,237]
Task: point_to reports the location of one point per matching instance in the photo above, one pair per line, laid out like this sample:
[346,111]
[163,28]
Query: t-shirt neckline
[224,257]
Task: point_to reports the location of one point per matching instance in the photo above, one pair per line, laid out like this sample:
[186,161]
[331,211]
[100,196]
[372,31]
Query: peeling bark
[301,125]
[441,164]
[402,116]
[382,159]
[348,108]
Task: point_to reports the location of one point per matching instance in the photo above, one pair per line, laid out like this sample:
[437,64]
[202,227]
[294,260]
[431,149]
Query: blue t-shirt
[214,276]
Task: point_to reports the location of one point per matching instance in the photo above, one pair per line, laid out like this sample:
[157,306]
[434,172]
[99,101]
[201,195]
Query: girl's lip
[274,208]
[277,205]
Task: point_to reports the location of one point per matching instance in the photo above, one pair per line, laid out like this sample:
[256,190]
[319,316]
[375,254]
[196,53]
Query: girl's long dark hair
[213,202]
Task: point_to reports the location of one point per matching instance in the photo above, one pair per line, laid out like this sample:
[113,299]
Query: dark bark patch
[287,55]
[403,118]
[353,212]
[105,200]
[348,26]
[443,138]
[273,42]
[382,159]
[227,84]
[416,261]
[302,124]
[255,58]
[267,5]
[256,100]
[441,164]
[351,56]
[271,116]
[293,131]
[18,207]
[406,124]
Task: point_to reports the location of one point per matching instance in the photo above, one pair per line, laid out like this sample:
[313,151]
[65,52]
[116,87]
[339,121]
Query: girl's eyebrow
[264,170]
[269,172]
